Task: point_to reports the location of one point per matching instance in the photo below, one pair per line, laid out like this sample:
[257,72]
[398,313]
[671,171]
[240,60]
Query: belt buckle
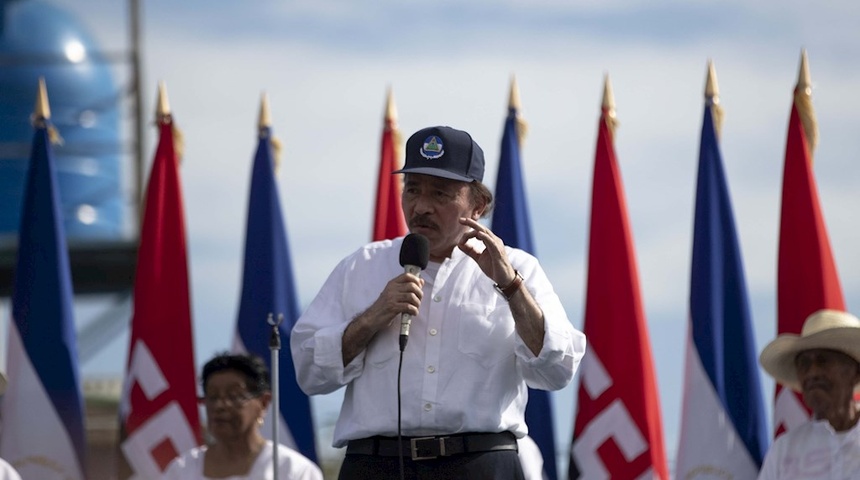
[413,447]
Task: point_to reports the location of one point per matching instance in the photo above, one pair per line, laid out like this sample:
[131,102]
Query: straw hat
[828,329]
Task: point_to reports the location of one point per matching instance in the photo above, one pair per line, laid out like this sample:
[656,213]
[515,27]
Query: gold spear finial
[389,124]
[390,107]
[515,105]
[712,98]
[803,102]
[804,79]
[162,107]
[163,116]
[608,104]
[265,125]
[265,120]
[42,114]
[608,98]
[712,90]
[514,98]
[43,108]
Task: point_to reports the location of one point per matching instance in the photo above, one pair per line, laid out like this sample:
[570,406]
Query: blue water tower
[38,39]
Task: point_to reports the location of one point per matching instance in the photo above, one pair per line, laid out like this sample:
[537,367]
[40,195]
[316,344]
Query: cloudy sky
[326,66]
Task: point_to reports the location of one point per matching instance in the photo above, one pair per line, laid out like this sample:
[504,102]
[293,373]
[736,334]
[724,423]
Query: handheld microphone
[414,255]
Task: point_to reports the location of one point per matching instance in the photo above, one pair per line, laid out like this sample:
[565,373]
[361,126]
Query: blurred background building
[95,108]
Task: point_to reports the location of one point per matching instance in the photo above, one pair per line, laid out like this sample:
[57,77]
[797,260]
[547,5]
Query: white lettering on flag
[159,428]
[613,423]
[145,372]
[595,378]
[168,425]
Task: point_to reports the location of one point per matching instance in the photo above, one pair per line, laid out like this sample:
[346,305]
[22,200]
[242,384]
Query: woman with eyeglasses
[236,394]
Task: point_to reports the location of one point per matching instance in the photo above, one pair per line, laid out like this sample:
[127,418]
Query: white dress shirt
[292,465]
[814,451]
[531,458]
[465,369]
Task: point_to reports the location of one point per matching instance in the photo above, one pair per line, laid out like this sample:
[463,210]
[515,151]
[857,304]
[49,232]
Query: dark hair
[251,366]
[481,194]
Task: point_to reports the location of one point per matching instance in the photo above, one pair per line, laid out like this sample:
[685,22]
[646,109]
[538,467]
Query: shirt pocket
[384,347]
[486,334]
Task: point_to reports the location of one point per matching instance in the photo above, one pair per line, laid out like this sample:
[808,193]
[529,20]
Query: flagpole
[275,347]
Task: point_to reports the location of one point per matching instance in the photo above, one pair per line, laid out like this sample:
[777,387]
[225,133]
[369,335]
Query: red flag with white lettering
[806,273]
[159,411]
[617,431]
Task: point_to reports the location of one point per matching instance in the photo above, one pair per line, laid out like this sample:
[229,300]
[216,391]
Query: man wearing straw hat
[823,363]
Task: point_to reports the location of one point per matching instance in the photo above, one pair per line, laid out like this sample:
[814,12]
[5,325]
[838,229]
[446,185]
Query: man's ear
[857,374]
[478,212]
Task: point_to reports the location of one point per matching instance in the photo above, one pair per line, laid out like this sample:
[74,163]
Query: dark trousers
[500,465]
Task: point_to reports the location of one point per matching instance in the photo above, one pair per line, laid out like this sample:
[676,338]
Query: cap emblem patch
[432,148]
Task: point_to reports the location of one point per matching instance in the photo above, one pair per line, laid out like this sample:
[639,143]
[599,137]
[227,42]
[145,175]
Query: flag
[807,280]
[268,288]
[43,432]
[617,428]
[511,223]
[723,429]
[388,221]
[159,416]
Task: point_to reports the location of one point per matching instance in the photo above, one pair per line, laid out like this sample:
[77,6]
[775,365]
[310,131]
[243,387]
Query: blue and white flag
[511,223]
[268,287]
[43,433]
[723,432]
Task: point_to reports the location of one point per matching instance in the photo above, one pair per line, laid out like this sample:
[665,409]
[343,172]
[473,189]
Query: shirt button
[431,369]
[428,407]
[437,298]
[433,331]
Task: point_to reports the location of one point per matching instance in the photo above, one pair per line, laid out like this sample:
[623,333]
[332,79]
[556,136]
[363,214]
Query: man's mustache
[815,383]
[422,221]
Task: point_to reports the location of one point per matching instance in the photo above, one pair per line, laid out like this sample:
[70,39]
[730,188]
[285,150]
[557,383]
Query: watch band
[512,288]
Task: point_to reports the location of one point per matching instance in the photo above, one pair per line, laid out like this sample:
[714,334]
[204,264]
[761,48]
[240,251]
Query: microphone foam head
[415,251]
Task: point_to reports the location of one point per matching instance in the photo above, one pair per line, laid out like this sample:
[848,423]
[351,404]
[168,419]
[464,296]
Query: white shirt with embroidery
[465,369]
[814,451]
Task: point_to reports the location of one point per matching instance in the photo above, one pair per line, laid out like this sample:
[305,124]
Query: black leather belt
[427,448]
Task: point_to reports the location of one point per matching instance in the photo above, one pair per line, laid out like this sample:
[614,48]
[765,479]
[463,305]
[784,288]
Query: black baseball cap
[444,152]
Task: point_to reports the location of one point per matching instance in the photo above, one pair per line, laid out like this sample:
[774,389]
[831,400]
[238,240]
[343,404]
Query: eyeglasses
[232,400]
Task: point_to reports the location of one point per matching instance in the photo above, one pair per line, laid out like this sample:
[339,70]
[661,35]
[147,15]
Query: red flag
[617,431]
[388,219]
[159,412]
[806,273]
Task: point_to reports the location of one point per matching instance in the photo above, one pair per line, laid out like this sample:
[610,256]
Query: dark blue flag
[511,223]
[43,414]
[268,287]
[722,368]
[511,214]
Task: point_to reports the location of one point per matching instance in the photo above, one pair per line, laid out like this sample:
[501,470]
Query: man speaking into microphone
[483,323]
